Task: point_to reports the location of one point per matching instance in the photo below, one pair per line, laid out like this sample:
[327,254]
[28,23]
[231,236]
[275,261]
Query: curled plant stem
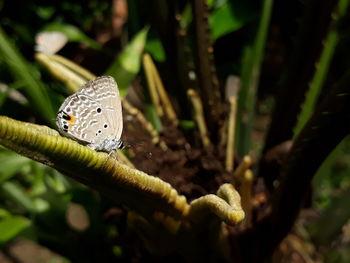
[152,85]
[163,96]
[199,116]
[226,205]
[246,194]
[123,159]
[242,168]
[151,198]
[145,194]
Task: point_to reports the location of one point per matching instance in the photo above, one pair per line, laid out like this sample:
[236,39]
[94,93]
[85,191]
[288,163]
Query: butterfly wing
[104,90]
[81,118]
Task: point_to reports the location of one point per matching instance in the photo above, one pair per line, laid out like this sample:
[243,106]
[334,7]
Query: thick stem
[300,71]
[230,147]
[323,132]
[208,83]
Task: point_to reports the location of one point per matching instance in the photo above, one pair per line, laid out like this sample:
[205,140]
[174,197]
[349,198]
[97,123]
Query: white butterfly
[93,115]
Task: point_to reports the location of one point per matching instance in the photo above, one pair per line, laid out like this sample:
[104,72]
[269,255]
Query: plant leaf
[230,17]
[128,63]
[10,227]
[22,71]
[73,34]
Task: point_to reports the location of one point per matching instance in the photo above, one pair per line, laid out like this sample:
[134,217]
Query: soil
[192,170]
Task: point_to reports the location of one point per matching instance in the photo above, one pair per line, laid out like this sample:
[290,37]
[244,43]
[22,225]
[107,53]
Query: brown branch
[208,83]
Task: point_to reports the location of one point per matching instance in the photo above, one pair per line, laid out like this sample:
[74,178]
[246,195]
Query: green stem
[252,60]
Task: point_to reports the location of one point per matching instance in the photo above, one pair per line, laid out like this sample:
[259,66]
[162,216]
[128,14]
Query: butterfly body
[93,115]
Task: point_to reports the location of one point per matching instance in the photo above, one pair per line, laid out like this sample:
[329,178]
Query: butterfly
[93,115]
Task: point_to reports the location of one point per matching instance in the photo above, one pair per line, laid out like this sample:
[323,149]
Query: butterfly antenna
[128,145]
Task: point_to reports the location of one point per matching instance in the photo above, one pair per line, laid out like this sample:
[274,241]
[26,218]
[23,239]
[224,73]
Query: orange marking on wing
[72,119]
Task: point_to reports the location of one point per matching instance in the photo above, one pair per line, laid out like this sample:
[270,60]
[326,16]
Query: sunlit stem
[123,159]
[135,189]
[232,88]
[199,116]
[242,168]
[72,80]
[226,206]
[152,85]
[159,89]
[84,73]
[230,147]
[146,124]
[168,107]
[246,195]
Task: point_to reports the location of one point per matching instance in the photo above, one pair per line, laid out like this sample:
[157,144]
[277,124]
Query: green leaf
[337,213]
[153,117]
[230,17]
[45,12]
[155,48]
[187,124]
[10,164]
[73,34]
[24,72]
[186,16]
[17,194]
[4,213]
[252,59]
[128,63]
[332,173]
[11,227]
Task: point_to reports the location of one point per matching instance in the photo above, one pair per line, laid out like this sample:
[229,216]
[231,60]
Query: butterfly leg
[92,146]
[114,154]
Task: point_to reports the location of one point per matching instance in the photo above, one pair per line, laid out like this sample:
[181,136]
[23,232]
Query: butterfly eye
[98,110]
